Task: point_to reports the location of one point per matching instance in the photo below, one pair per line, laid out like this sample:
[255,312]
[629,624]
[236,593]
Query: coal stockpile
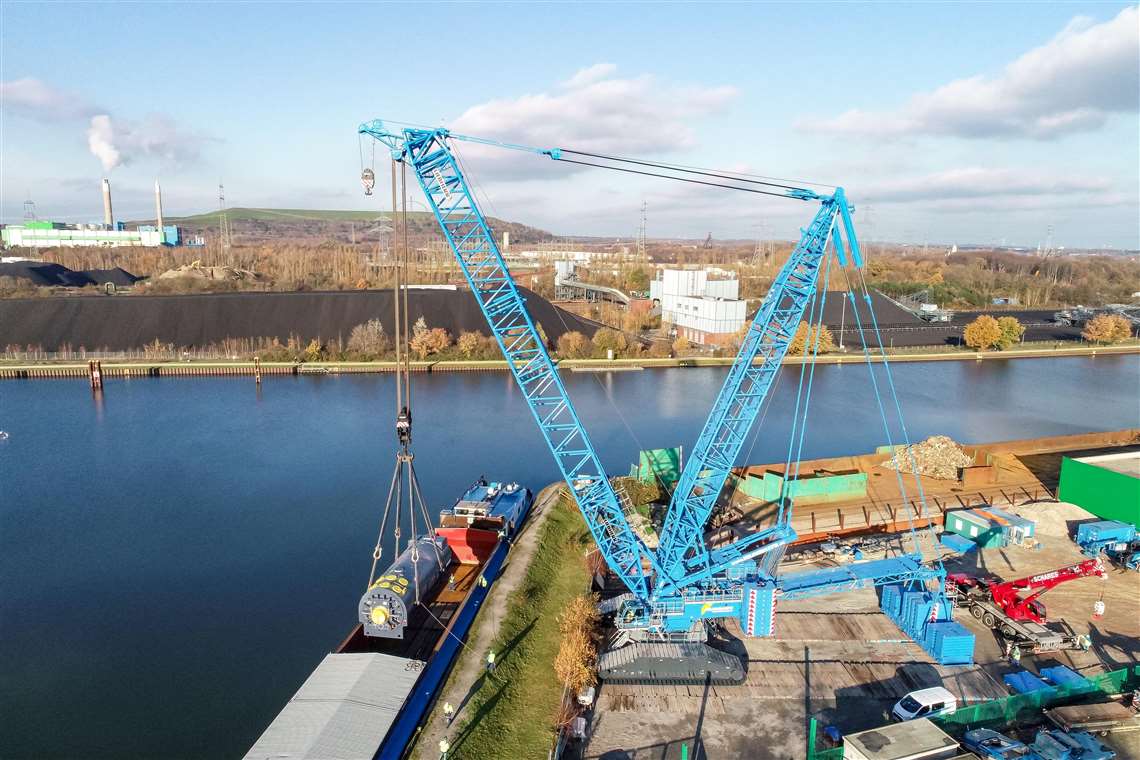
[118,323]
[837,309]
[900,327]
[47,274]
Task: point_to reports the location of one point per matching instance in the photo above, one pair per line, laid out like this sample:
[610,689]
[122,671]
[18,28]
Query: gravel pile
[936,457]
[1053,518]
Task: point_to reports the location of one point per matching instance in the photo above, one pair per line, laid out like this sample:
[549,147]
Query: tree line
[989,333]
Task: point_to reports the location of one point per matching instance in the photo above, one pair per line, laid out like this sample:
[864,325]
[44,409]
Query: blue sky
[966,123]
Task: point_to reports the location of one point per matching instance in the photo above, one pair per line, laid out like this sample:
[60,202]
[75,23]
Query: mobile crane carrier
[1020,619]
[676,591]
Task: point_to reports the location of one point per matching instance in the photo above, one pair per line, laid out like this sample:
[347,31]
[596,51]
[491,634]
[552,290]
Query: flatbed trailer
[1099,718]
[1025,634]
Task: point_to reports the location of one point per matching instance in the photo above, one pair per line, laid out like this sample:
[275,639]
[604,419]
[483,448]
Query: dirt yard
[840,660]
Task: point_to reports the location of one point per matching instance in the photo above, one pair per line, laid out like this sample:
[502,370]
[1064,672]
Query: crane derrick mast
[675,590]
[451,200]
[682,550]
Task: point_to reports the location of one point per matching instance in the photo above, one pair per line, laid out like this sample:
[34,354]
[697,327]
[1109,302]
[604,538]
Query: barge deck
[369,696]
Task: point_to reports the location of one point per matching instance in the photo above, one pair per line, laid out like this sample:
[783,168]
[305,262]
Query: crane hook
[368,179]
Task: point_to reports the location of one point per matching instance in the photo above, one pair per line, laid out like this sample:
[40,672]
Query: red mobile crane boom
[1006,595]
[1000,606]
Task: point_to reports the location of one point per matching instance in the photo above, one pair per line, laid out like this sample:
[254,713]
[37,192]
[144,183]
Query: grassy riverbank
[143,367]
[511,711]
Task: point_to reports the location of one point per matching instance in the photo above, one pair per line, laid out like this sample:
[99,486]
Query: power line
[679,179]
[224,239]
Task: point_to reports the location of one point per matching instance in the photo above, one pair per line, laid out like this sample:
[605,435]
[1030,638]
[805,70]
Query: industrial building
[702,310]
[47,234]
[44,234]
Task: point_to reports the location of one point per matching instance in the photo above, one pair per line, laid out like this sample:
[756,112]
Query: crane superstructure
[676,589]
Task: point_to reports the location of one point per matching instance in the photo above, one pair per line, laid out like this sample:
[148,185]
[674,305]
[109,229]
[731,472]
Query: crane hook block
[368,179]
[404,426]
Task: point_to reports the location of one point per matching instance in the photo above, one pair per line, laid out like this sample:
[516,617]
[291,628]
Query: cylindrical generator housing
[386,605]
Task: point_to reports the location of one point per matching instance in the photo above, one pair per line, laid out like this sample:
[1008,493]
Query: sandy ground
[470,668]
[840,660]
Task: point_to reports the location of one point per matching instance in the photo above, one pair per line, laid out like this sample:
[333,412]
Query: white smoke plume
[101,141]
[116,142]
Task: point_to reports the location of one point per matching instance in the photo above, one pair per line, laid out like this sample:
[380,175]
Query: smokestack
[158,207]
[108,217]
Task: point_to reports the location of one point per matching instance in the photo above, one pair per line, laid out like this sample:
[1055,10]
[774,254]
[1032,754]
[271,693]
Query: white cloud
[978,183]
[118,142]
[1072,83]
[38,100]
[590,74]
[595,110]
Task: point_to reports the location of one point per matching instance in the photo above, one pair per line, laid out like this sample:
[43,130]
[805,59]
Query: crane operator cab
[925,703]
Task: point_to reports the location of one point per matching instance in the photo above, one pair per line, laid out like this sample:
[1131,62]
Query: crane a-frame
[675,589]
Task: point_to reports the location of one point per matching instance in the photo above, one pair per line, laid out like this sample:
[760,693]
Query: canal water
[176,558]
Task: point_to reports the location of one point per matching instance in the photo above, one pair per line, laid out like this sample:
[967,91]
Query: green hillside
[285,214]
[268,224]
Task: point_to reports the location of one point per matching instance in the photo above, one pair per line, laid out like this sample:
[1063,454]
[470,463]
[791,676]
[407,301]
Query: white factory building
[702,310]
[40,233]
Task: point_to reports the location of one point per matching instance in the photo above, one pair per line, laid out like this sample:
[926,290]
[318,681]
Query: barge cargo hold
[367,698]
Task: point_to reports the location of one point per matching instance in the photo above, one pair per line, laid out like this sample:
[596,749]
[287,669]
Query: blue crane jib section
[682,554]
[907,568]
[443,183]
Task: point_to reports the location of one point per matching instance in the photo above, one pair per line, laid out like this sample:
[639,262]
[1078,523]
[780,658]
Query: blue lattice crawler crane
[676,591]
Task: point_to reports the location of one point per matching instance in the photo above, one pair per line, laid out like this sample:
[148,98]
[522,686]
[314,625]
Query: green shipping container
[1108,485]
[808,489]
[980,530]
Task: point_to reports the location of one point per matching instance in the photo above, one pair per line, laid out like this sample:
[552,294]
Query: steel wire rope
[715,173]
[404,257]
[882,411]
[423,509]
[549,152]
[396,293]
[797,425]
[817,322]
[899,413]
[678,179]
[383,526]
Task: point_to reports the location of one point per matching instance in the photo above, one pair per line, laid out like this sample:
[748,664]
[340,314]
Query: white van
[925,703]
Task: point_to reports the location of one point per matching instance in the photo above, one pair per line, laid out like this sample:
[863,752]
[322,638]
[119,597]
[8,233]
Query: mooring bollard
[95,374]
